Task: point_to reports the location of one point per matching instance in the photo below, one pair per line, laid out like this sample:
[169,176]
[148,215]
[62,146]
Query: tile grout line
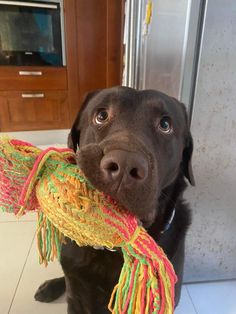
[17,285]
[191,300]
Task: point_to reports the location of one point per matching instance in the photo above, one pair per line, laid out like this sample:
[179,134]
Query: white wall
[211,241]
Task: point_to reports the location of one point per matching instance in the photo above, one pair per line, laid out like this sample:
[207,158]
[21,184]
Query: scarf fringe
[49,240]
[147,279]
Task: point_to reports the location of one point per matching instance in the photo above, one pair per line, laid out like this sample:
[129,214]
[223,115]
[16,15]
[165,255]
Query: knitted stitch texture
[50,183]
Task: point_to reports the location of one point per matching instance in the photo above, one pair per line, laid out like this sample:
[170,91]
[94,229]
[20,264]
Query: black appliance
[30,33]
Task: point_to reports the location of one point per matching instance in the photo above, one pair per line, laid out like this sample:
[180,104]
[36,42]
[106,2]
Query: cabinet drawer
[24,111]
[33,78]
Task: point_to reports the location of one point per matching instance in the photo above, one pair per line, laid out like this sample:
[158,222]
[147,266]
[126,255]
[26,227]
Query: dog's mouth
[145,216]
[138,198]
[149,219]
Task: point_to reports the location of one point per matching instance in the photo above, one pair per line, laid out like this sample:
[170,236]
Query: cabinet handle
[39,95]
[33,73]
[30,4]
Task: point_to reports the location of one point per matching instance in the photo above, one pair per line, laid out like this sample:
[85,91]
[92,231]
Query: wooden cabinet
[33,98]
[33,78]
[39,98]
[33,110]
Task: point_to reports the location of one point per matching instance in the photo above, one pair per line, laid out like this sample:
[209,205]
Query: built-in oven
[30,33]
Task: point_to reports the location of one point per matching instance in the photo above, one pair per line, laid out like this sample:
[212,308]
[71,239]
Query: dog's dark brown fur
[135,146]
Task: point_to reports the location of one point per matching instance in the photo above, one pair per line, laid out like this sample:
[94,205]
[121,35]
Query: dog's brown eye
[165,125]
[101,116]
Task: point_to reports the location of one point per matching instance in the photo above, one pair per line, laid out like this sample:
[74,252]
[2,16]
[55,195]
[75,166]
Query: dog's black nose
[125,167]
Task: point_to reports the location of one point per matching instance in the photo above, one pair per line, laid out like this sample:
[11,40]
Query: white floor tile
[7,217]
[215,298]
[33,276]
[52,145]
[15,242]
[25,274]
[185,305]
[43,137]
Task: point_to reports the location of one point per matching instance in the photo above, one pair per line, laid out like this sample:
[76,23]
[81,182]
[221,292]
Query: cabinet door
[94,37]
[3,111]
[34,110]
[32,78]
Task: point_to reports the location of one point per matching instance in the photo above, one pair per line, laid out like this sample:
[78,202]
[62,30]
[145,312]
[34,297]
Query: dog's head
[132,145]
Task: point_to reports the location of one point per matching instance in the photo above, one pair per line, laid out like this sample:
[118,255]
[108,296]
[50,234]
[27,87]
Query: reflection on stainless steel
[162,58]
[133,26]
[164,46]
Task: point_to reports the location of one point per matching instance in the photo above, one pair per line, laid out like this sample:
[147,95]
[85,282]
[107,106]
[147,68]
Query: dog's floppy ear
[74,135]
[186,159]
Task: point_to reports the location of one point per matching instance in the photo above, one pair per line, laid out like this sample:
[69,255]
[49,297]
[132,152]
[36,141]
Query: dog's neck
[169,222]
[168,207]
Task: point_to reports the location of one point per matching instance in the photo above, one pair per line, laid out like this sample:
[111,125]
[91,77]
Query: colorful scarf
[67,204]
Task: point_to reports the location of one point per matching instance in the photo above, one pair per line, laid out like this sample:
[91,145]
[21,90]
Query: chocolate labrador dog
[137,147]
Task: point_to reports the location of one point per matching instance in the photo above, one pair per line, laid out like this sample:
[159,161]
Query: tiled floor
[20,275]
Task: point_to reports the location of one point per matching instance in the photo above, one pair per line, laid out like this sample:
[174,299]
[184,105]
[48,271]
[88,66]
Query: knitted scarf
[67,204]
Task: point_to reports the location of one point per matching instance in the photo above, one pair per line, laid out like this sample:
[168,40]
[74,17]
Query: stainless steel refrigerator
[187,49]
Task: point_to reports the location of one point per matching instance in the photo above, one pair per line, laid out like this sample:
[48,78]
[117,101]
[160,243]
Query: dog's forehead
[125,98]
[162,103]
[116,96]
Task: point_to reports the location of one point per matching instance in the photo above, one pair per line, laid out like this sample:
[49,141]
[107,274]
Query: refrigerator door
[164,47]
[161,55]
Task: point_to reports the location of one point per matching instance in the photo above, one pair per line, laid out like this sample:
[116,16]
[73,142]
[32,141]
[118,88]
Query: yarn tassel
[49,240]
[146,283]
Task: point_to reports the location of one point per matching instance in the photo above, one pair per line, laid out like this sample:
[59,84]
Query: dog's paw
[50,290]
